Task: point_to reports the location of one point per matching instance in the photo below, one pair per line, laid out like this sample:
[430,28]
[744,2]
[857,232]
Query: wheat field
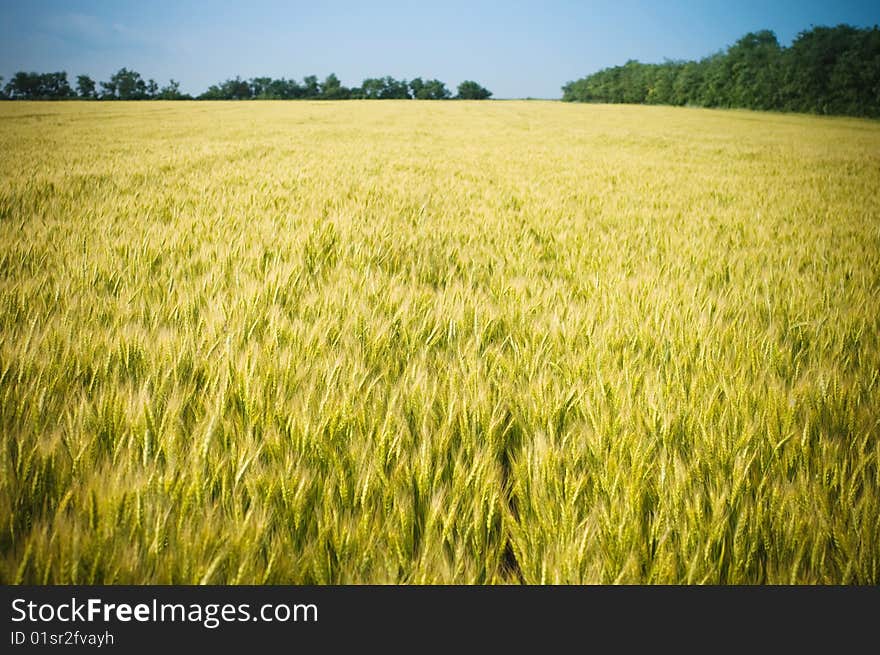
[414,342]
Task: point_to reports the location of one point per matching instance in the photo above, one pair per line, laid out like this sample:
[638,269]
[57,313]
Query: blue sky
[515,48]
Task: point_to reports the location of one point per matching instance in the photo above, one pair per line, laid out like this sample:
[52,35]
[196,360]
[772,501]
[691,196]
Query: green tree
[39,86]
[688,84]
[394,89]
[332,89]
[470,90]
[23,86]
[436,90]
[86,87]
[171,91]
[261,87]
[125,85]
[284,89]
[663,79]
[826,70]
[430,90]
[834,70]
[311,87]
[416,86]
[372,87]
[385,88]
[750,71]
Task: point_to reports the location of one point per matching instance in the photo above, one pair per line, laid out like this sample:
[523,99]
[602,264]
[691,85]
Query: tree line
[826,70]
[127,84]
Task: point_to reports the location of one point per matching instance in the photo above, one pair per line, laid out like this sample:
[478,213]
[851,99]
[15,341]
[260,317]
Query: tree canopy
[827,70]
[470,90]
[38,86]
[428,90]
[372,88]
[127,84]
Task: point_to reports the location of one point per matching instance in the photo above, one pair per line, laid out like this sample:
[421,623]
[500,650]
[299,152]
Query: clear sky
[513,47]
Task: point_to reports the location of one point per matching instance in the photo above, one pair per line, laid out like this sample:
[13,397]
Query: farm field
[449,342]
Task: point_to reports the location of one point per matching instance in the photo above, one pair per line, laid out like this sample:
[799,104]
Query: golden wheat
[437,342]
